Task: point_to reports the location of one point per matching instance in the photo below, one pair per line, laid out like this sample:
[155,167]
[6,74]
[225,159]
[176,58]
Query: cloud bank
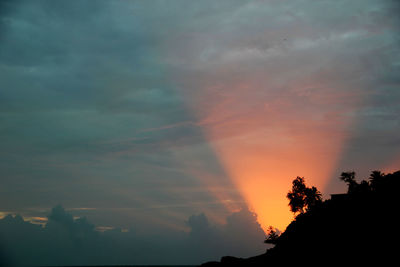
[65,240]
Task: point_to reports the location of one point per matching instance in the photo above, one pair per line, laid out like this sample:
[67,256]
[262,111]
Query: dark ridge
[122,266]
[359,227]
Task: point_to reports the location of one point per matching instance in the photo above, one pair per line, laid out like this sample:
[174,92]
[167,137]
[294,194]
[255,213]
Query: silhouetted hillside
[359,227]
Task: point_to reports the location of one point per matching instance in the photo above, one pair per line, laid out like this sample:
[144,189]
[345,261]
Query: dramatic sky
[171,123]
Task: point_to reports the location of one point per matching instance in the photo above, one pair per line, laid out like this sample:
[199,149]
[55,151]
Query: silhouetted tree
[297,195]
[376,179]
[350,179]
[359,188]
[272,235]
[301,197]
[363,187]
[313,196]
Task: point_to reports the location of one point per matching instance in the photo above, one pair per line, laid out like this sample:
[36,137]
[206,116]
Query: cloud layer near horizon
[65,240]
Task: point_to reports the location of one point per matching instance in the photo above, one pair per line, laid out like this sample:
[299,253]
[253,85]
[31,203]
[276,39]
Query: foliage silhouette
[376,180]
[350,179]
[356,228]
[272,235]
[301,197]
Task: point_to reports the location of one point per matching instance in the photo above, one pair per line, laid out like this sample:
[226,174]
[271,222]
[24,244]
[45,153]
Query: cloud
[240,236]
[118,104]
[82,84]
[68,241]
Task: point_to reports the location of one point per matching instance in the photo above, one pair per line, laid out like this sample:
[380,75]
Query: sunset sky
[140,115]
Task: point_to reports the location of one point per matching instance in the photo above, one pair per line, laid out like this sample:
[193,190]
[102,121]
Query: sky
[147,121]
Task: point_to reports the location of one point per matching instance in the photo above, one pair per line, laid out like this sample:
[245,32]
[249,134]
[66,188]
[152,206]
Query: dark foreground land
[357,228]
[128,266]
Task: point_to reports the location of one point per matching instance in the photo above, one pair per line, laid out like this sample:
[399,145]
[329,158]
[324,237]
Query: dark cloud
[84,98]
[66,240]
[237,237]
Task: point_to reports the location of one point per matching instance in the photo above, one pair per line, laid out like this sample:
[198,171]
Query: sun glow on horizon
[264,143]
[277,119]
[263,174]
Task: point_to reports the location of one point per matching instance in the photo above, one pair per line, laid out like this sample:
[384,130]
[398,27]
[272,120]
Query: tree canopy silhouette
[301,197]
[272,235]
[376,180]
[350,179]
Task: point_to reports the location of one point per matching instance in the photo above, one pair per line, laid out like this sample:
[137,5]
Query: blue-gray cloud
[68,241]
[88,117]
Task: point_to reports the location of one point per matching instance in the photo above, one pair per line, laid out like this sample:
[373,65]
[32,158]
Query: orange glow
[393,166]
[36,220]
[264,141]
[3,214]
[263,170]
